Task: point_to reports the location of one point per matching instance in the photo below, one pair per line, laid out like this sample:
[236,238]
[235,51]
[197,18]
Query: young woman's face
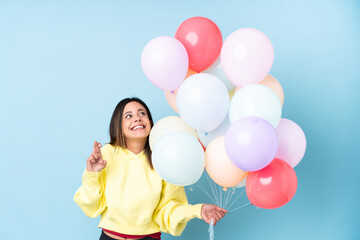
[135,122]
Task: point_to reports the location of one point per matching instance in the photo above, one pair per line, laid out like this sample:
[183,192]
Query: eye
[142,113]
[127,116]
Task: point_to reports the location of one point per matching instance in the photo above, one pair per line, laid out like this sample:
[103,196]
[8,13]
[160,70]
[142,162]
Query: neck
[135,146]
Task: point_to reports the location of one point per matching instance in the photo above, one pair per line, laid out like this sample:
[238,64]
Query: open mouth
[137,127]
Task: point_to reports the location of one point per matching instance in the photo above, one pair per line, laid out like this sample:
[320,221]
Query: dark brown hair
[117,138]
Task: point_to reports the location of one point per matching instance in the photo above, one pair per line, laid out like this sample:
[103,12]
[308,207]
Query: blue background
[64,65]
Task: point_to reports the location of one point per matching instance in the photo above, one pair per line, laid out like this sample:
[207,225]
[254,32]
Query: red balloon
[204,148]
[203,41]
[272,186]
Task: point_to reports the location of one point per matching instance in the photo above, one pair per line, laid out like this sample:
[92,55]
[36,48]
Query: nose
[137,119]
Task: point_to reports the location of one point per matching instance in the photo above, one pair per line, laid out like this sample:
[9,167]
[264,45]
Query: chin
[139,136]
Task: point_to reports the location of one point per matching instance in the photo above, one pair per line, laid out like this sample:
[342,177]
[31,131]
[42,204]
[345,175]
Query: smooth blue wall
[64,65]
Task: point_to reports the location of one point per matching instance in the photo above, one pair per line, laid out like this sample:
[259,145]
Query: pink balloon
[247,56]
[165,62]
[292,142]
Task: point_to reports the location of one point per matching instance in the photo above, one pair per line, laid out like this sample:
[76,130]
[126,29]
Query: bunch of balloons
[230,106]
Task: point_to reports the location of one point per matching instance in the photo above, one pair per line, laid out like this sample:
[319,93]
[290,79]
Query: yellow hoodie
[131,198]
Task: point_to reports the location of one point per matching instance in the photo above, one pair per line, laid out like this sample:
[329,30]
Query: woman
[120,183]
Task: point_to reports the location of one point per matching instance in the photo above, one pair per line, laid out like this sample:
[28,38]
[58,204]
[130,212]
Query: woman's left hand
[209,211]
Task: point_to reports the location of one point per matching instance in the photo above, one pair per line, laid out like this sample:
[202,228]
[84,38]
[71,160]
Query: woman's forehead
[133,107]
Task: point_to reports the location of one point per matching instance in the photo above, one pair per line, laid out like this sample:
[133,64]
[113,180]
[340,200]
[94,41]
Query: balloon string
[240,207]
[228,196]
[211,230]
[220,196]
[231,196]
[236,199]
[204,190]
[224,198]
[213,189]
[211,186]
[217,194]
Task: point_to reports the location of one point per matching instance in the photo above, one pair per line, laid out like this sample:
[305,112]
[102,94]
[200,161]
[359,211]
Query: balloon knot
[225,189]
[206,134]
[172,92]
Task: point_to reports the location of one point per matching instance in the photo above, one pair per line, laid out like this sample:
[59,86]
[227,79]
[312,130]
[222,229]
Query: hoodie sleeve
[173,211]
[90,196]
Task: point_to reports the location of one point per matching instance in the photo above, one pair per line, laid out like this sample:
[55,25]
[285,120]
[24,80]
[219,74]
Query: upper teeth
[138,127]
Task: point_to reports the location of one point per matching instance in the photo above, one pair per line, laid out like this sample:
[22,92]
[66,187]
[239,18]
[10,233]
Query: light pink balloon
[292,142]
[165,62]
[247,56]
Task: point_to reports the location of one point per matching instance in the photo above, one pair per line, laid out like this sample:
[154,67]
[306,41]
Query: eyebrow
[140,109]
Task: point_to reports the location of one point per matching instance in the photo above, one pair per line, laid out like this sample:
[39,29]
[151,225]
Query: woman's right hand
[212,212]
[95,163]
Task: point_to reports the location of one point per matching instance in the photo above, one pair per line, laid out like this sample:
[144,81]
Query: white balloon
[256,100]
[216,70]
[203,101]
[166,125]
[178,158]
[206,138]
